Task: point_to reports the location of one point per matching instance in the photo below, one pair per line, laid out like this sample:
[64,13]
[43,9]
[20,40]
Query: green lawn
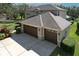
[74,37]
[10,25]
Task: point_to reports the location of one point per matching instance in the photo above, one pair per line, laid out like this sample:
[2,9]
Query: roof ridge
[41,20]
[54,20]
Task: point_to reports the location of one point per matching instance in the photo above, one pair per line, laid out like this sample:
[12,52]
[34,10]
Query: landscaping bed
[9,25]
[2,36]
[4,33]
[5,28]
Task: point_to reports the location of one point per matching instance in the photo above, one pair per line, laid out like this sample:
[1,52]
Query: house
[46,8]
[47,26]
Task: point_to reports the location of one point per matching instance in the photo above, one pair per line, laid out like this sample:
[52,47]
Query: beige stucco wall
[63,34]
[62,14]
[40,33]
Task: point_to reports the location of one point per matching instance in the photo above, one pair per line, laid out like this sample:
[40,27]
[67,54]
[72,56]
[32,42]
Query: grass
[10,25]
[74,37]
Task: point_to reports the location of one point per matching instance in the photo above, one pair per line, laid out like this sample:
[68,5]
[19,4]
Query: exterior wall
[62,14]
[40,33]
[63,34]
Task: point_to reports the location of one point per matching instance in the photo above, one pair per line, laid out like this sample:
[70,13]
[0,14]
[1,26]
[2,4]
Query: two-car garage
[48,34]
[46,26]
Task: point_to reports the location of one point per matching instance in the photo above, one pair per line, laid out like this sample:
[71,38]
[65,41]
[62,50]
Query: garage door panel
[50,36]
[30,30]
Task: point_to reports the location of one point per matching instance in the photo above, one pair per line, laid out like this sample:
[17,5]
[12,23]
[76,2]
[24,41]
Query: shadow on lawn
[64,50]
[77,32]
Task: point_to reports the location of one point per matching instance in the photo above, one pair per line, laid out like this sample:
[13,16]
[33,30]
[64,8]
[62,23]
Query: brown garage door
[30,30]
[50,36]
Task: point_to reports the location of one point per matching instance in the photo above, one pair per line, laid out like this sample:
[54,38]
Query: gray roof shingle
[46,7]
[33,21]
[49,7]
[48,20]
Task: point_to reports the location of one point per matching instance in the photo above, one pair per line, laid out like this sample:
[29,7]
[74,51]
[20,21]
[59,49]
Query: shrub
[18,30]
[2,30]
[18,24]
[77,25]
[2,36]
[7,33]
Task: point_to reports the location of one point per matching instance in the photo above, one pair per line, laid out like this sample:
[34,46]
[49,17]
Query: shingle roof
[49,7]
[46,7]
[62,23]
[33,21]
[48,21]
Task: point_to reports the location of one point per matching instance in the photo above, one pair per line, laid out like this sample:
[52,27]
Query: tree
[13,10]
[77,30]
[6,8]
[78,25]
[22,9]
[72,11]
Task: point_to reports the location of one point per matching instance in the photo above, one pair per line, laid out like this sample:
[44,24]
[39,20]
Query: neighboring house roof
[45,7]
[49,7]
[48,20]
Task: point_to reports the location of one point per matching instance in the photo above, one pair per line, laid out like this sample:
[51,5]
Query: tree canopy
[13,11]
[72,11]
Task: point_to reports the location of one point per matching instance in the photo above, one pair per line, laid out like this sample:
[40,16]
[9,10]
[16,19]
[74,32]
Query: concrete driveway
[25,45]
